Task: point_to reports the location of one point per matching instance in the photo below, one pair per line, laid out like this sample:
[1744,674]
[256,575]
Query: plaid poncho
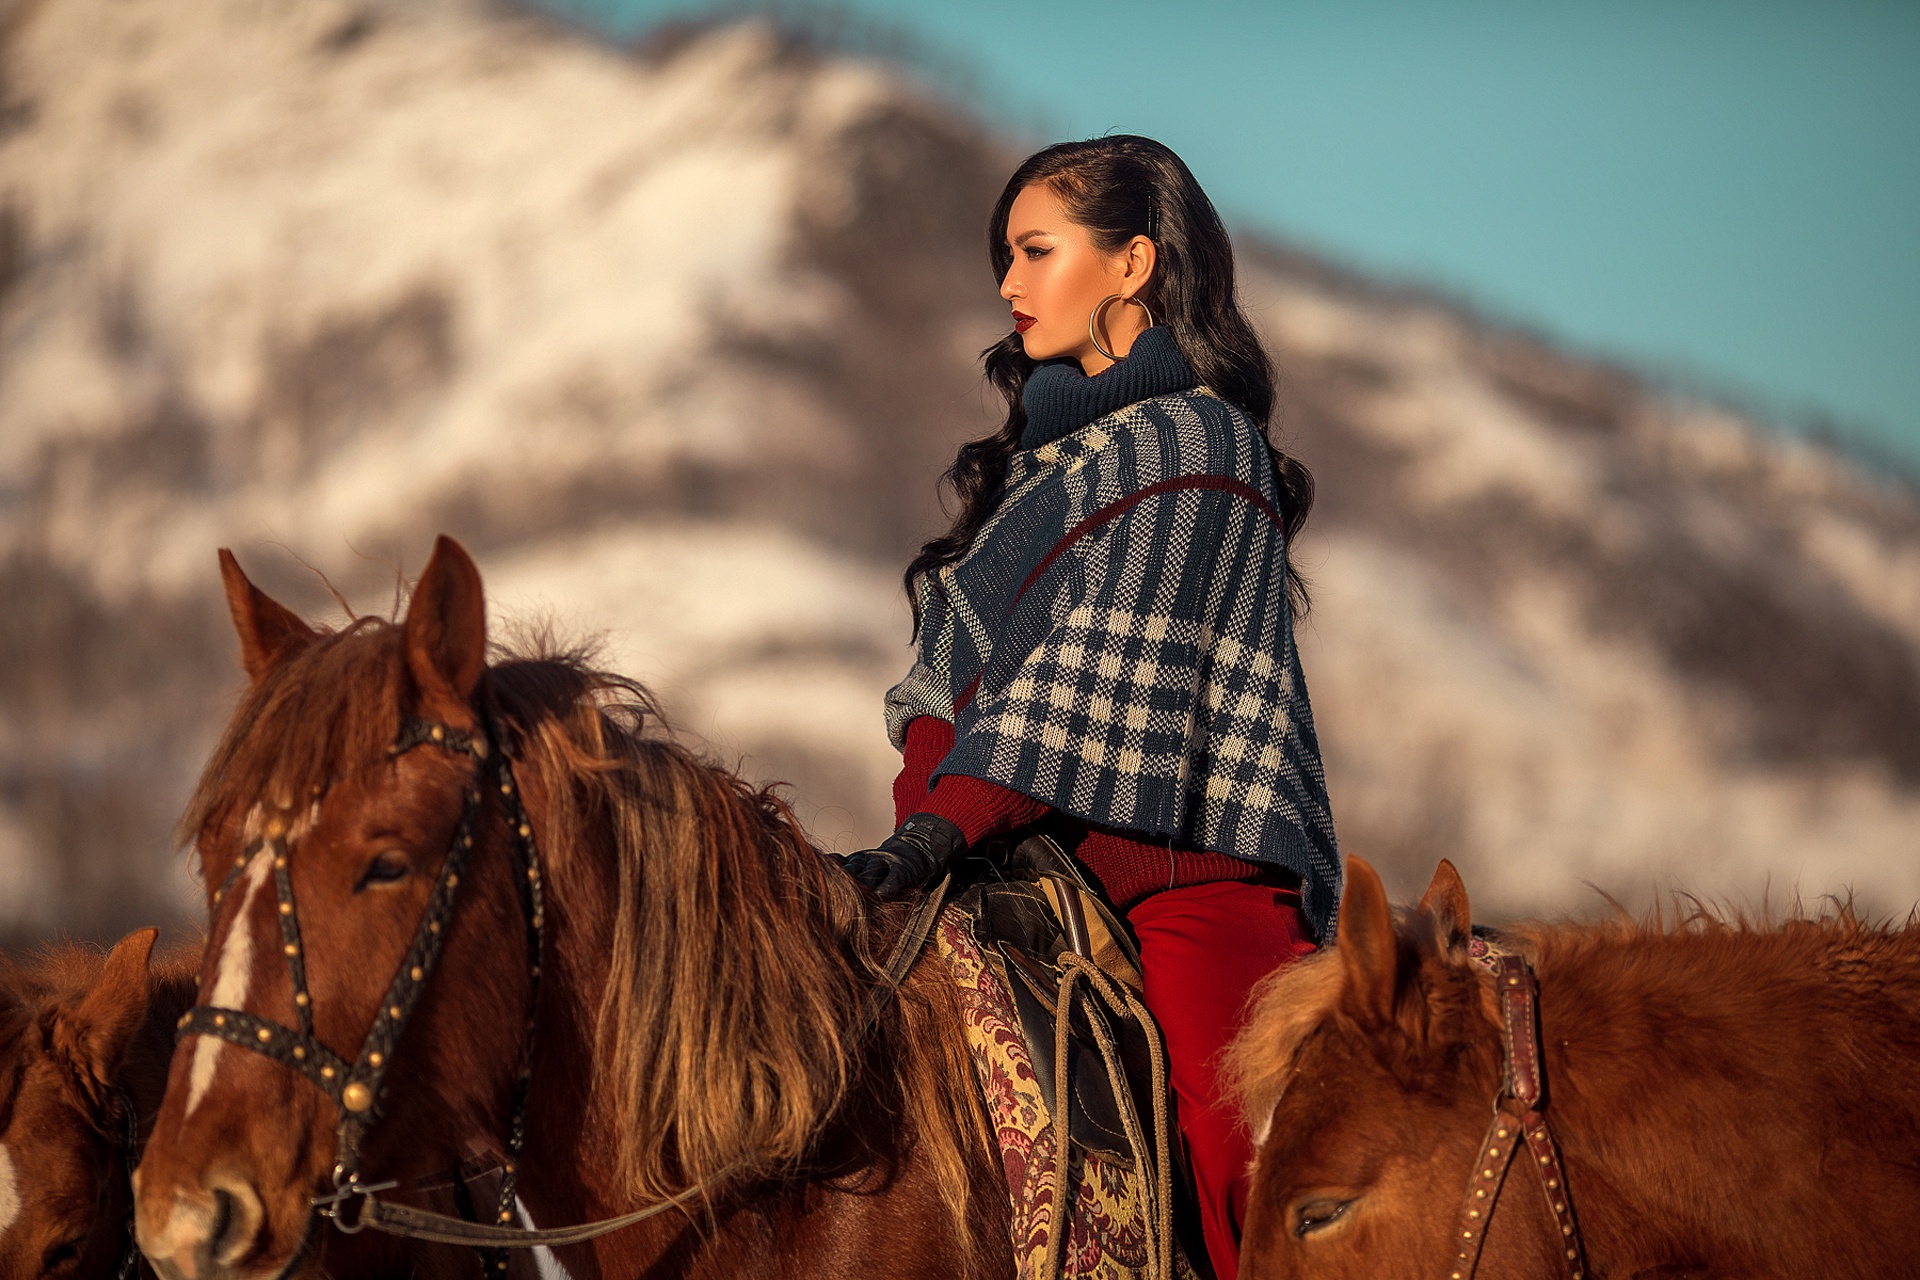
[1117,643]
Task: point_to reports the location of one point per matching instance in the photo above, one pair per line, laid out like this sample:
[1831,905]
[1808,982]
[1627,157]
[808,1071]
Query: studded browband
[1519,1118]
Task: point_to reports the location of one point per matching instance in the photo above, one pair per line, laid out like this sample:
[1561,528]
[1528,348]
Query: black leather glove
[925,845]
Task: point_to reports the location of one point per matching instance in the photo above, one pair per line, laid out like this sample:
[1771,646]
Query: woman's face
[1059,276]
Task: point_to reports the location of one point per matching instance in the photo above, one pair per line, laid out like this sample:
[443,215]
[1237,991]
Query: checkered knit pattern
[1117,643]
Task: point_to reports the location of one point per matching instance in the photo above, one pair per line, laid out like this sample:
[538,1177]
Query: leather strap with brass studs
[356,1088]
[1519,1121]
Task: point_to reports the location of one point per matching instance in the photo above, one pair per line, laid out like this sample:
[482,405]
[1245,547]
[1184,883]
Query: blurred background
[1599,324]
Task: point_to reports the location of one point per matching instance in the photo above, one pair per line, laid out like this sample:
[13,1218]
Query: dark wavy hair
[1119,187]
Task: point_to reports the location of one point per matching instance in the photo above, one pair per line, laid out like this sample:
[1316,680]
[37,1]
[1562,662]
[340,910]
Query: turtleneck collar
[1060,399]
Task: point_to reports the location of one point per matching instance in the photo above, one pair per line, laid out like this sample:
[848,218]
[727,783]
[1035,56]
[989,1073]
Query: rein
[128,1141]
[357,1087]
[1519,1109]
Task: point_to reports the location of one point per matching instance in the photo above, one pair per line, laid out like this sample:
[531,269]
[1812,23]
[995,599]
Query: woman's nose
[1008,289]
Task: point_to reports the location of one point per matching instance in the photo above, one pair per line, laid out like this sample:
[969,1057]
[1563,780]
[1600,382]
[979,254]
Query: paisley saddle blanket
[1110,1222]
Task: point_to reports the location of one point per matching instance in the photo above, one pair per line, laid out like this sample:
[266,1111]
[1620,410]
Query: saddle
[1027,924]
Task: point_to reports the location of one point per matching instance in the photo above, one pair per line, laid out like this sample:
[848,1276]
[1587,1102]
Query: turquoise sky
[1726,191]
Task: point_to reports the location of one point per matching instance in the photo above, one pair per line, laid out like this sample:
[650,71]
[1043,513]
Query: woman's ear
[1138,258]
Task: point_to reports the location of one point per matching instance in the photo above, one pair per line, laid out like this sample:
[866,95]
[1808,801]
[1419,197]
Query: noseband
[357,1087]
[1519,1119]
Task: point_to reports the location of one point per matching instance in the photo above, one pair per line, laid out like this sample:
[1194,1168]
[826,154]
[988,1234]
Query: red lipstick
[1023,322]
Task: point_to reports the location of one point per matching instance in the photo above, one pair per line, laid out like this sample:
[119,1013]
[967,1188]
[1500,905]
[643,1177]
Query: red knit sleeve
[980,809]
[929,738]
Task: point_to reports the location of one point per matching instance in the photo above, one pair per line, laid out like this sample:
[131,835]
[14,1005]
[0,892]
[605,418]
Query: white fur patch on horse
[9,1191]
[231,980]
[544,1263]
[1260,1132]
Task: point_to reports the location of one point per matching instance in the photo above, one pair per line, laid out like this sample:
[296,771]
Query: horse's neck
[1669,1053]
[568,1163]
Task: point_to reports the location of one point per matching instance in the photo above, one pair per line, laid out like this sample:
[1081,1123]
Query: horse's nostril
[235,1224]
[222,1221]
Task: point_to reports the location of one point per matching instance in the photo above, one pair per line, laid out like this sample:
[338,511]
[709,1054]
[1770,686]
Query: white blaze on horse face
[9,1191]
[231,980]
[1261,1131]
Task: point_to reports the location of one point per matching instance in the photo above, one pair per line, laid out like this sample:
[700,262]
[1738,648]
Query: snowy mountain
[677,340]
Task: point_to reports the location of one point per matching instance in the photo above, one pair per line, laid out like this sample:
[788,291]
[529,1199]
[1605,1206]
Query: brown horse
[85,1038]
[84,1043]
[1730,1099]
[703,1016]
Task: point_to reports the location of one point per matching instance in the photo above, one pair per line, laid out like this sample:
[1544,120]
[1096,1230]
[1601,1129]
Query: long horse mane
[740,962]
[729,1032]
[1718,944]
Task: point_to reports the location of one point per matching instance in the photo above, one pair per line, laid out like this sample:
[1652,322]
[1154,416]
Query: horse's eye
[61,1257]
[1316,1215]
[390,867]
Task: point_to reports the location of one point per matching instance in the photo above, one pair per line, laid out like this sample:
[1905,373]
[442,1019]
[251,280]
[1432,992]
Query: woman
[1105,634]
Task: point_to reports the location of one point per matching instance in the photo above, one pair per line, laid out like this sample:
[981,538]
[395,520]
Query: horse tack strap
[1519,997]
[327,1070]
[1546,1158]
[357,1088]
[1519,1119]
[129,1143]
[439,1228]
[913,938]
[1489,1175]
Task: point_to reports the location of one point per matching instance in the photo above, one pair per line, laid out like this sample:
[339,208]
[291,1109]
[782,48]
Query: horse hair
[1292,1004]
[729,1032]
[60,976]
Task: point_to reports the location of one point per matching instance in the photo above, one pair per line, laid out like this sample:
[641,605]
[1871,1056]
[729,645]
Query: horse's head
[1369,1074]
[63,1142]
[308,816]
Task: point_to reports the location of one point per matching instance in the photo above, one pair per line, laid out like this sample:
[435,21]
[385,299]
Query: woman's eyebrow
[1025,236]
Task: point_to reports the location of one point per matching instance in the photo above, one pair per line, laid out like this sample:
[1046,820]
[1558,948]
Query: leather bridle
[127,1144]
[1519,1119]
[358,1087]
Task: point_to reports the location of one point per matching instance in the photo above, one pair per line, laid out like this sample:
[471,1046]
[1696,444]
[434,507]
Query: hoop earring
[1093,321]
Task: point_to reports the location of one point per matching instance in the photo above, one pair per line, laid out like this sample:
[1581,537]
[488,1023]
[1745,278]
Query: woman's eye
[1033,252]
[1317,1214]
[386,868]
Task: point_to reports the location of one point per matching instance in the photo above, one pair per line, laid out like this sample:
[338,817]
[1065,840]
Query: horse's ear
[269,631]
[93,1037]
[1446,901]
[1366,943]
[447,626]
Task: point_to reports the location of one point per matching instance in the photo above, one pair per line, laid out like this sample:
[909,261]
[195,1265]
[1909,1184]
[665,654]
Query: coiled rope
[1078,975]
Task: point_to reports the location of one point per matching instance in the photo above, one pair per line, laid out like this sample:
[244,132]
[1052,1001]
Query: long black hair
[1119,187]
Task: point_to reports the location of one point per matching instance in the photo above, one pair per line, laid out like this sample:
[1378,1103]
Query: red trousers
[1202,947]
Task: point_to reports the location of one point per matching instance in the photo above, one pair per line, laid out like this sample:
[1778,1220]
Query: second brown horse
[85,1038]
[1730,1100]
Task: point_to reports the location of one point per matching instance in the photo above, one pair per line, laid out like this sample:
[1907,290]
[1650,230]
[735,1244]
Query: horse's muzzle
[204,1234]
